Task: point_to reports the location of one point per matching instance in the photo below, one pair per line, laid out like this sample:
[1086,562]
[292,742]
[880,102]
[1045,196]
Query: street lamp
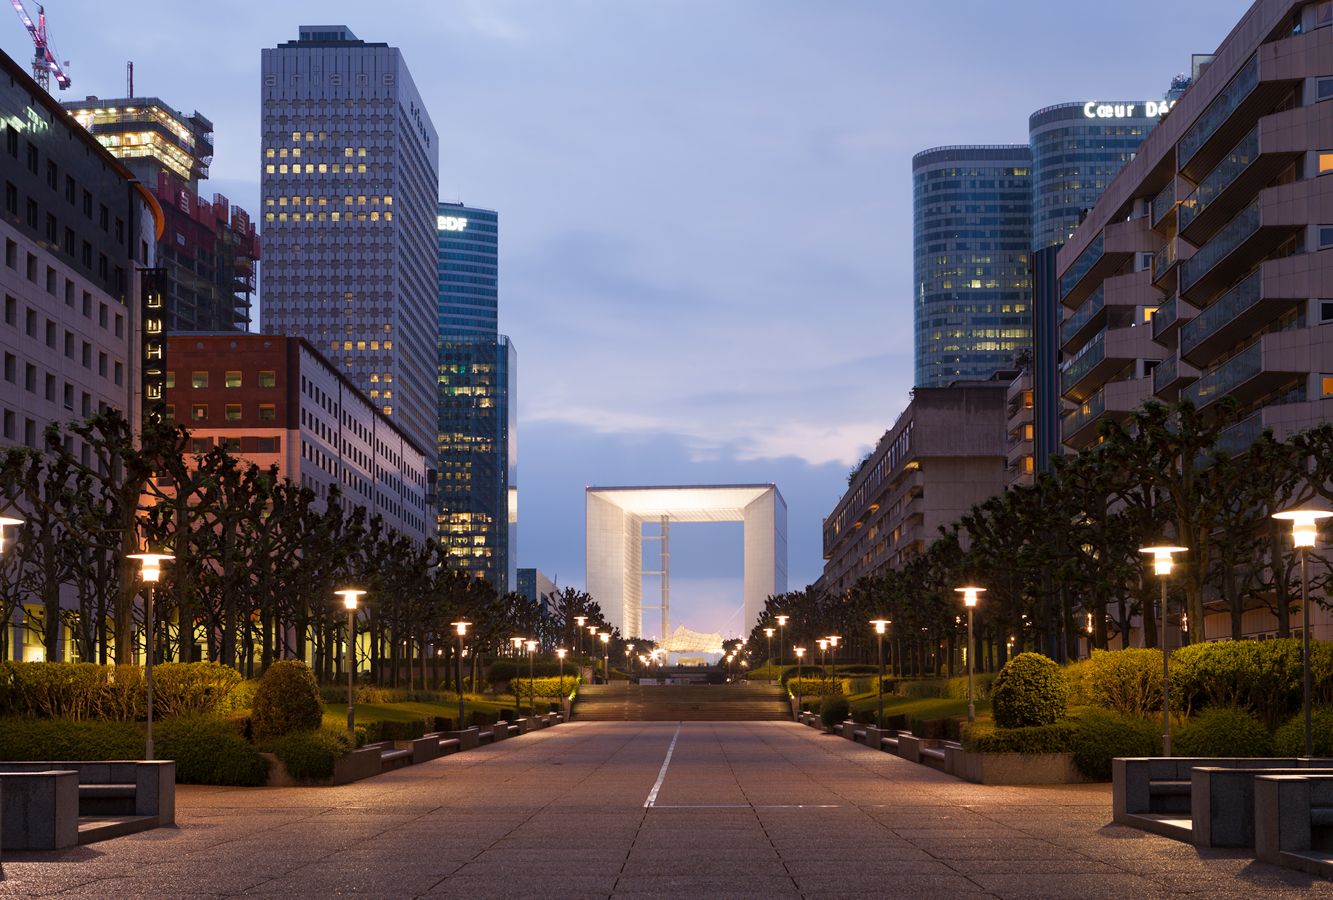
[800,652]
[151,570]
[606,656]
[782,620]
[629,663]
[578,634]
[970,601]
[461,629]
[769,633]
[823,661]
[560,652]
[532,679]
[1162,566]
[349,596]
[1305,534]
[518,689]
[833,657]
[880,625]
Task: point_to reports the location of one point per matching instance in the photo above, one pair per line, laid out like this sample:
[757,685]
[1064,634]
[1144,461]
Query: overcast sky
[705,207]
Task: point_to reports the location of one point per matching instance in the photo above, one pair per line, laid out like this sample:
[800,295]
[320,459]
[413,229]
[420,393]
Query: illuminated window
[233,379]
[309,135]
[199,412]
[374,345]
[269,168]
[231,444]
[360,345]
[282,201]
[199,379]
[1325,162]
[171,379]
[283,152]
[361,200]
[361,167]
[374,392]
[169,413]
[268,217]
[268,412]
[268,379]
[323,135]
[388,345]
[309,168]
[268,201]
[374,217]
[388,201]
[296,135]
[388,216]
[282,170]
[233,412]
[282,217]
[1027,432]
[1027,461]
[360,151]
[388,410]
[347,152]
[1328,385]
[269,153]
[323,168]
[347,345]
[335,217]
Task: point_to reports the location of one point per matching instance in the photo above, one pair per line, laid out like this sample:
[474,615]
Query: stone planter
[1013,768]
[355,766]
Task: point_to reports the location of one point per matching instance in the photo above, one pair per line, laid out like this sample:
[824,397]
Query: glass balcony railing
[1086,260]
[1162,203]
[1240,87]
[1220,312]
[1093,407]
[1224,378]
[1082,364]
[1164,374]
[1235,233]
[1164,318]
[1234,163]
[1163,259]
[1239,437]
[1083,315]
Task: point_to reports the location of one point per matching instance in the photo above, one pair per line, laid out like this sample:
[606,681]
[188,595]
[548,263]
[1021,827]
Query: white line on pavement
[661,776]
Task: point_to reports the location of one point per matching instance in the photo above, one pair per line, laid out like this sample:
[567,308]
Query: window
[32,158]
[233,379]
[232,444]
[11,254]
[87,305]
[102,267]
[9,416]
[69,345]
[120,325]
[50,334]
[52,174]
[87,256]
[232,412]
[87,205]
[199,379]
[120,230]
[268,379]
[169,413]
[30,378]
[87,361]
[86,405]
[199,412]
[30,212]
[11,368]
[268,412]
[1327,381]
[11,198]
[50,392]
[69,189]
[101,364]
[171,379]
[200,445]
[11,312]
[103,216]
[30,323]
[120,372]
[1325,236]
[51,228]
[30,432]
[268,445]
[50,280]
[69,293]
[101,314]
[12,148]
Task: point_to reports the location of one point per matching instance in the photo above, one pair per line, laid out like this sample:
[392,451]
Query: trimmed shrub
[34,740]
[1264,677]
[956,688]
[287,700]
[185,689]
[81,691]
[1223,731]
[310,754]
[1102,736]
[1127,681]
[923,688]
[834,711]
[983,737]
[546,687]
[1030,690]
[1290,738]
[208,751]
[809,687]
[242,697]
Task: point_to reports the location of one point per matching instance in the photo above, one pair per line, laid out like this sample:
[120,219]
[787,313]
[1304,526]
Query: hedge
[545,687]
[807,687]
[287,700]
[310,754]
[1102,736]
[1223,731]
[834,711]
[83,691]
[208,751]
[983,737]
[508,670]
[1290,738]
[1030,690]
[33,740]
[1264,677]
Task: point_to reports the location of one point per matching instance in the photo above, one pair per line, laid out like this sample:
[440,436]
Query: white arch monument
[615,520]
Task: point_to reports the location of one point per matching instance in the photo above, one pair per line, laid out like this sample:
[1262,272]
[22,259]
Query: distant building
[209,250]
[278,401]
[945,454]
[468,260]
[540,590]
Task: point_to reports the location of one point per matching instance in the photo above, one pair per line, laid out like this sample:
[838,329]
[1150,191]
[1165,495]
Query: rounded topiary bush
[207,750]
[1290,737]
[833,710]
[1103,736]
[287,700]
[1030,690]
[1221,732]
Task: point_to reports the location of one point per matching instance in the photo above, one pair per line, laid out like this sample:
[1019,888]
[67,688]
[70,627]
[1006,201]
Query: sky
[705,207]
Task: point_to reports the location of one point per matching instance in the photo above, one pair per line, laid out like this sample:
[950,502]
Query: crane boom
[44,63]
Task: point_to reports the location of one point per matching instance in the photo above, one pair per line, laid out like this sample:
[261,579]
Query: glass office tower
[477,396]
[972,295]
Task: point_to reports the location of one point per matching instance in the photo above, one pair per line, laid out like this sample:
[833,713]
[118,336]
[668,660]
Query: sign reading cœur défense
[1149,109]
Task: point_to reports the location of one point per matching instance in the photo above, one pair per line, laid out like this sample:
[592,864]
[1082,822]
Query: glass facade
[1074,157]
[972,293]
[477,402]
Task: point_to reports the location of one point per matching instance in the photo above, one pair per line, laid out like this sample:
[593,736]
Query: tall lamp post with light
[782,621]
[800,652]
[970,601]
[560,653]
[880,625]
[833,658]
[1162,566]
[460,628]
[150,569]
[532,678]
[823,662]
[578,634]
[1305,534]
[606,656]
[517,642]
[349,596]
[768,632]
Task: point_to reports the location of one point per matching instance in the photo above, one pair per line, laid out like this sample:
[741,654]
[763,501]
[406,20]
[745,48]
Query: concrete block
[873,736]
[468,738]
[154,789]
[39,810]
[1281,816]
[424,749]
[1223,801]
[499,731]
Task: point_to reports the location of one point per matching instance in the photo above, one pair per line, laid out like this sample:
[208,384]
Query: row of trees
[1060,559]
[257,559]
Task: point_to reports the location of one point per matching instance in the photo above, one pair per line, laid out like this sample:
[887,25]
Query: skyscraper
[477,397]
[349,180]
[971,230]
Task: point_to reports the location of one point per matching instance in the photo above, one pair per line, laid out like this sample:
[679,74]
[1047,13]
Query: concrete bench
[457,741]
[1156,793]
[1293,822]
[39,810]
[109,799]
[1222,801]
[912,748]
[859,734]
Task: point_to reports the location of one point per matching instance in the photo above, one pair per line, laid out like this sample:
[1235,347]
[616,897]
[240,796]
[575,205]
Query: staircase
[681,702]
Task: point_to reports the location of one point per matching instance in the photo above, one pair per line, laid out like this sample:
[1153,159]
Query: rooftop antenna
[129,78]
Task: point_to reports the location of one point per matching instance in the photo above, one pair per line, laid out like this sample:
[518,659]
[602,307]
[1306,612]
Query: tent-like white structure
[682,640]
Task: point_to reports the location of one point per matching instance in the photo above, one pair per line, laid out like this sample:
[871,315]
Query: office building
[349,181]
[467,265]
[208,250]
[1228,198]
[539,590]
[971,230]
[278,401]
[944,454]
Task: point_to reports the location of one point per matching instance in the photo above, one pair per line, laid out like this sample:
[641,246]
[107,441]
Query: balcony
[1089,358]
[1086,261]
[1254,371]
[1164,208]
[1115,401]
[1108,353]
[1113,246]
[1086,320]
[1082,416]
[1241,243]
[1238,438]
[1164,263]
[1223,379]
[1170,376]
[1225,321]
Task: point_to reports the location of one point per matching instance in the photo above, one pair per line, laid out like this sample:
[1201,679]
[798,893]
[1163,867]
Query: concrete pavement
[741,809]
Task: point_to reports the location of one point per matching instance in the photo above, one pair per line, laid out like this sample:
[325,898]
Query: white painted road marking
[661,776]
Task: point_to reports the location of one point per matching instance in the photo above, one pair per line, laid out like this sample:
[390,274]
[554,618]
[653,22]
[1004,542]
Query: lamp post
[461,629]
[151,570]
[629,660]
[782,621]
[1305,534]
[606,656]
[578,634]
[560,652]
[349,596]
[517,643]
[1162,566]
[970,601]
[800,652]
[880,625]
[532,678]
[823,661]
[833,658]
[768,632]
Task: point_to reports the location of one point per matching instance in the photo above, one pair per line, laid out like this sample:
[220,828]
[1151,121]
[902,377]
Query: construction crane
[44,63]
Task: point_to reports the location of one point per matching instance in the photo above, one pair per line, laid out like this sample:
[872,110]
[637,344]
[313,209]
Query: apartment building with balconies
[1019,426]
[944,454]
[1227,196]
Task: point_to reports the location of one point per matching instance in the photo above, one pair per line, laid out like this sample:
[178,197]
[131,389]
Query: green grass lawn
[918,708]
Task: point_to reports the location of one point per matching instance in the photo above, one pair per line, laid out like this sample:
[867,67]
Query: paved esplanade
[760,809]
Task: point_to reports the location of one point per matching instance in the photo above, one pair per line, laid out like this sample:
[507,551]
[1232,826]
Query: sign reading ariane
[1151,109]
[451,223]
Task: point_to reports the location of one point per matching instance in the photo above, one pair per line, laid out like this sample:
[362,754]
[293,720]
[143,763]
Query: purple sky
[705,207]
